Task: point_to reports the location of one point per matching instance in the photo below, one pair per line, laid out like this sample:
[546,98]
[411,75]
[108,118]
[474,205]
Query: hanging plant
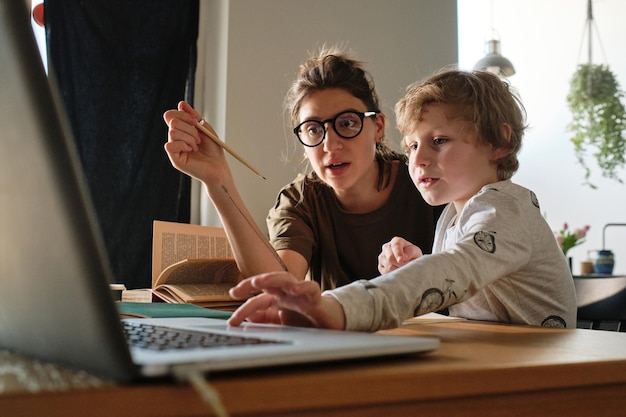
[599,120]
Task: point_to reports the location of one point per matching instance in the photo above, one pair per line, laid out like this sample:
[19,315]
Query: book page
[192,293]
[173,242]
[200,271]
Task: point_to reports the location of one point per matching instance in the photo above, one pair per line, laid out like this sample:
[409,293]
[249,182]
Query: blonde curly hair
[482,98]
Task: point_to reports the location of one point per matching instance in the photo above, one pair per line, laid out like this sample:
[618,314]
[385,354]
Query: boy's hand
[283,299]
[396,253]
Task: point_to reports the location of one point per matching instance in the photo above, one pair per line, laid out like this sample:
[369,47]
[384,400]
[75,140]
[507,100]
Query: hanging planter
[598,120]
[598,115]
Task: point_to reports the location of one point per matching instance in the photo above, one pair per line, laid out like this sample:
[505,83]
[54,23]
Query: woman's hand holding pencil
[188,152]
[214,138]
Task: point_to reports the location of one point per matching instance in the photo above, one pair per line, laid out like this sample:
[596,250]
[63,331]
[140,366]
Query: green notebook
[156,310]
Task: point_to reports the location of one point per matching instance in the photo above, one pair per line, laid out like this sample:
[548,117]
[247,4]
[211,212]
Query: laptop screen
[54,274]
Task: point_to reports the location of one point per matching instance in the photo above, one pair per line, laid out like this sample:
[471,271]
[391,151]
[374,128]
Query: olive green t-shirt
[343,247]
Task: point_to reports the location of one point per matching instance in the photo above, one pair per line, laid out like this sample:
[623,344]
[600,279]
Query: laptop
[55,300]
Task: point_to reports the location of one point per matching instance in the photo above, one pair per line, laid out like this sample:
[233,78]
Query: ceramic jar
[603,262]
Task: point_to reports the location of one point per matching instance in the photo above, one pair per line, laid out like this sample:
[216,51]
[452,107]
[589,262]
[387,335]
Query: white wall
[543,40]
[402,41]
[255,54]
[260,43]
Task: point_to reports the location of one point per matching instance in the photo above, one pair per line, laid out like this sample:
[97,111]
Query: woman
[330,224]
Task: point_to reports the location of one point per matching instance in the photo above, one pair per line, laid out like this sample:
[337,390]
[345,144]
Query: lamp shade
[494,62]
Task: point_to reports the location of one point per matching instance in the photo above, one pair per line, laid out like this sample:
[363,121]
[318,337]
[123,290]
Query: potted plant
[599,120]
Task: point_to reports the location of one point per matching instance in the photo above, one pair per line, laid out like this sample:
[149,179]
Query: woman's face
[344,164]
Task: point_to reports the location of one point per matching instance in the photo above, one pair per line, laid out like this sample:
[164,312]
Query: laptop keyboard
[162,338]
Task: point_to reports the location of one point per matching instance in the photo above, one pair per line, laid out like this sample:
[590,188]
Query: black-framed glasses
[347,124]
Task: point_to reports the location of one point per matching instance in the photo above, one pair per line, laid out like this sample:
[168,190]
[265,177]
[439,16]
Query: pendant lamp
[493,61]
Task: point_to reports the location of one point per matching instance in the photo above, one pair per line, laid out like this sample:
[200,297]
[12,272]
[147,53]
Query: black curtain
[120,64]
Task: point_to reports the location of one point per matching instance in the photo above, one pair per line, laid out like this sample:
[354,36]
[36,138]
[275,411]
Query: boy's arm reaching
[283,299]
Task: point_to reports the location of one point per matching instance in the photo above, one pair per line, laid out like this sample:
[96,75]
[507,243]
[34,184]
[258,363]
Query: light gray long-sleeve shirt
[497,260]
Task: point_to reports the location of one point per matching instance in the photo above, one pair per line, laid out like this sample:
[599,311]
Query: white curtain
[210,90]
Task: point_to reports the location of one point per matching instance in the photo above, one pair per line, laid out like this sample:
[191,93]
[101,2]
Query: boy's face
[446,161]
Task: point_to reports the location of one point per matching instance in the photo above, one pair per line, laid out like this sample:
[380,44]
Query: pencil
[214,138]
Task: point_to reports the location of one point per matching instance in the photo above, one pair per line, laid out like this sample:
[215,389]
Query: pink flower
[568,240]
[581,233]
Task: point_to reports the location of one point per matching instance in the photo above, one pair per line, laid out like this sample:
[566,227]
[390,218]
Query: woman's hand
[281,298]
[189,150]
[396,253]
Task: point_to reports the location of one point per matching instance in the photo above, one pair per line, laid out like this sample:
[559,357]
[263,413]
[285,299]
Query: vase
[603,262]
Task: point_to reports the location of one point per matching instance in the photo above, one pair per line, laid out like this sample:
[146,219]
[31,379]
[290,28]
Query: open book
[193,264]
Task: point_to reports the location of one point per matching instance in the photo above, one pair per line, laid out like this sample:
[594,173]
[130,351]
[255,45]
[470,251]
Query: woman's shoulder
[303,190]
[304,183]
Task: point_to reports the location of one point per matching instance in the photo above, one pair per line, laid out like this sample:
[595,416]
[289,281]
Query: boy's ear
[506,131]
[501,152]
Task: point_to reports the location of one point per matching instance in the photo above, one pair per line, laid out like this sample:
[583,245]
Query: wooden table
[481,369]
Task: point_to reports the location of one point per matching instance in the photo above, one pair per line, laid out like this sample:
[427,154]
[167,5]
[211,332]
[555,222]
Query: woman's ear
[380,127]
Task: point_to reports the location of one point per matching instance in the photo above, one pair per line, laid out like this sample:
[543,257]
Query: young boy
[494,257]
